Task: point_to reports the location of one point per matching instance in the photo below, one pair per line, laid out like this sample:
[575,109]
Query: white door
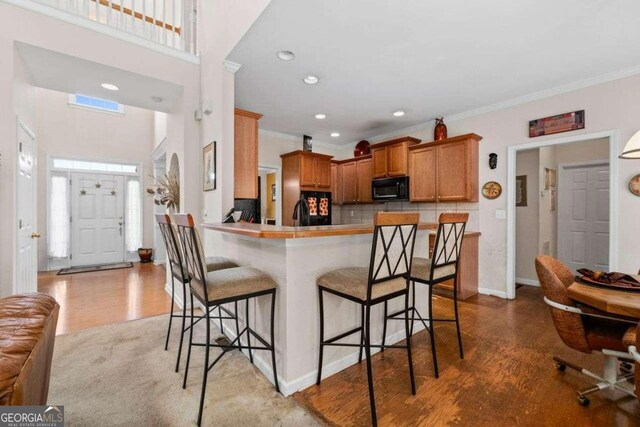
[583,216]
[27,261]
[97,212]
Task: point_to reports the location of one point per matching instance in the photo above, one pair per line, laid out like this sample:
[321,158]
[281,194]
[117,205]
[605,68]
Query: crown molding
[535,96]
[231,66]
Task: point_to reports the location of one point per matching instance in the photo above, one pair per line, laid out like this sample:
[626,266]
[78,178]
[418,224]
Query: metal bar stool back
[387,277]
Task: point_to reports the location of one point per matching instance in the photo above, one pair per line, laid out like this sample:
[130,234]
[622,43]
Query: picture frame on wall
[554,200]
[273,192]
[521,191]
[550,178]
[209,167]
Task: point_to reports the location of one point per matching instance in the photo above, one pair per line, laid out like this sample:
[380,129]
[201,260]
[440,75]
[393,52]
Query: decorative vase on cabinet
[440,131]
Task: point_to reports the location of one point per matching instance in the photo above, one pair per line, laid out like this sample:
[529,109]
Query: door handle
[35,235]
[119,222]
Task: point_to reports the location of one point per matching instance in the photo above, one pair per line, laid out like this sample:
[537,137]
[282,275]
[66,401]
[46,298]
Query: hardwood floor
[102,298]
[506,378]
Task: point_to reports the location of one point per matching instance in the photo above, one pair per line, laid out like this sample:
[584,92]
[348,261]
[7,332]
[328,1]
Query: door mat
[91,268]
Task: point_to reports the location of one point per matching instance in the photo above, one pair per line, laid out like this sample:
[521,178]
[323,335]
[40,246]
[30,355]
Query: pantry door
[97,219]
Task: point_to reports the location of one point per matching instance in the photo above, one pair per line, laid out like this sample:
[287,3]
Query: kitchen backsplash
[429,212]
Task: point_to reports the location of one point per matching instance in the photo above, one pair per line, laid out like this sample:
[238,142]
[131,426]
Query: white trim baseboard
[528,282]
[492,292]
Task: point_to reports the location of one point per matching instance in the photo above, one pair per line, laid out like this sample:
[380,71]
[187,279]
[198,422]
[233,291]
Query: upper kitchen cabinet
[445,171]
[246,154]
[390,158]
[336,183]
[315,170]
[354,177]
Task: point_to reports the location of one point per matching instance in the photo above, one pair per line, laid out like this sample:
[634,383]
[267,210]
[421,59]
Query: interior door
[27,261]
[97,225]
[583,217]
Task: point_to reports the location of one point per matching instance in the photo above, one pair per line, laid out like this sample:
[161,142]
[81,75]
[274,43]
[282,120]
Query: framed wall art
[209,167]
[521,191]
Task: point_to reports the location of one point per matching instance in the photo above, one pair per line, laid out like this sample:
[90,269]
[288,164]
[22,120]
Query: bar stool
[179,272]
[220,287]
[441,267]
[387,277]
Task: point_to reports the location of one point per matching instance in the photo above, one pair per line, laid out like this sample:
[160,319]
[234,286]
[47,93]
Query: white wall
[67,131]
[610,105]
[159,127]
[527,222]
[548,219]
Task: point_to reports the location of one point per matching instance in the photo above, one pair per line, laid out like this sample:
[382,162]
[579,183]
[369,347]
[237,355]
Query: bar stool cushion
[421,269]
[353,281]
[236,282]
[215,263]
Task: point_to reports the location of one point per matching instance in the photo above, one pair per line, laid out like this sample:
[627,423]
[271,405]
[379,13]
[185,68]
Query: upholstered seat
[630,337]
[353,281]
[216,263]
[235,282]
[421,270]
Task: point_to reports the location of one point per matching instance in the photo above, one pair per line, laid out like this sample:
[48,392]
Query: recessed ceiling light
[109,86]
[335,134]
[398,113]
[286,55]
[156,99]
[311,80]
[321,116]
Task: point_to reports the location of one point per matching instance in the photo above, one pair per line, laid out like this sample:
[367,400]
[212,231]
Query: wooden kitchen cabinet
[364,171]
[390,158]
[422,174]
[245,157]
[445,171]
[468,267]
[349,182]
[303,171]
[336,183]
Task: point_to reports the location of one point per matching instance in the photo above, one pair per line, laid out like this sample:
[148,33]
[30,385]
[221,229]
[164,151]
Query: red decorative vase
[362,148]
[440,131]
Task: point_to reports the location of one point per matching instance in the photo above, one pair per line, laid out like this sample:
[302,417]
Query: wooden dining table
[625,303]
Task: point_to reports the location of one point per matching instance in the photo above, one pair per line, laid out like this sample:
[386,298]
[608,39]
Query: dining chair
[179,272]
[585,329]
[386,277]
[219,287]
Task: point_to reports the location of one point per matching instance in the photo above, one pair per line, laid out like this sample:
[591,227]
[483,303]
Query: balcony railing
[171,23]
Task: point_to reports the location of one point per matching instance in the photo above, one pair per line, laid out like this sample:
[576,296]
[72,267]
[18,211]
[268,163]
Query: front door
[583,217]
[27,261]
[97,212]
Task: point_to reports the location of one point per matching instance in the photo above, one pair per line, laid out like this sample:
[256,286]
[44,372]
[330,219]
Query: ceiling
[428,58]
[64,73]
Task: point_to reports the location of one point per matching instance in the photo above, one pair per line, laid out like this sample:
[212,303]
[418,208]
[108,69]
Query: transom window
[93,166]
[90,102]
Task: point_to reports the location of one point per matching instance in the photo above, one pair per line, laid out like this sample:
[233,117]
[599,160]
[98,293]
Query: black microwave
[390,189]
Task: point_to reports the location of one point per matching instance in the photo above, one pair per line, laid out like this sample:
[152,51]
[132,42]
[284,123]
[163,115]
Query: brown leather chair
[632,340]
[27,333]
[584,329]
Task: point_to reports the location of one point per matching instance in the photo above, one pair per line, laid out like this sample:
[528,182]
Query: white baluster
[173,24]
[164,22]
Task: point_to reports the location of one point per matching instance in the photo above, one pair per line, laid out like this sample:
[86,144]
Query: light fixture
[320,116]
[335,134]
[285,55]
[109,86]
[398,113]
[632,149]
[311,80]
[156,99]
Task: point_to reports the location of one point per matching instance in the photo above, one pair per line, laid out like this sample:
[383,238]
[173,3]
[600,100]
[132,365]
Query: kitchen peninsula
[295,257]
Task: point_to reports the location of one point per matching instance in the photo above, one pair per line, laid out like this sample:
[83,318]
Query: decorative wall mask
[493,160]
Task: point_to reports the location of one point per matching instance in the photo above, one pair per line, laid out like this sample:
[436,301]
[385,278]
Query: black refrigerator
[312,208]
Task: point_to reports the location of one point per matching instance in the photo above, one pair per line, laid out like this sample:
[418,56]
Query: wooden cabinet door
[365,175]
[349,182]
[336,183]
[379,156]
[246,157]
[422,174]
[397,159]
[322,168]
[453,170]
[307,171]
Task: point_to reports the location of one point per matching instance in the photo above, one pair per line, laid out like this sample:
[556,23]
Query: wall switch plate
[501,214]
